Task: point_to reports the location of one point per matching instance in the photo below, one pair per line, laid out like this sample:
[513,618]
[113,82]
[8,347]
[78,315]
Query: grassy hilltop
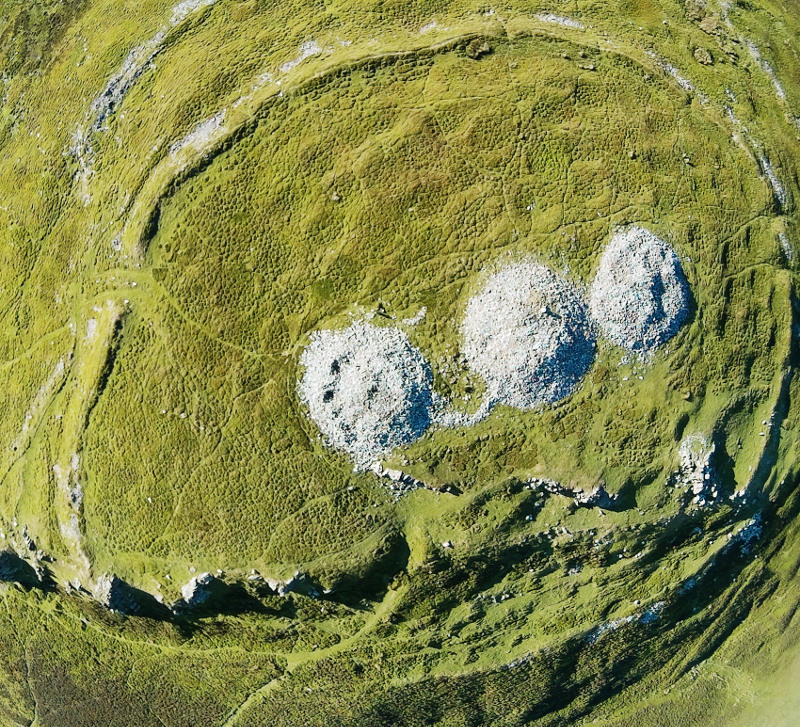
[188,192]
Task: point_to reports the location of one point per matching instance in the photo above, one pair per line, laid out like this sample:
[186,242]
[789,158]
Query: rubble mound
[639,297]
[367,388]
[696,473]
[526,333]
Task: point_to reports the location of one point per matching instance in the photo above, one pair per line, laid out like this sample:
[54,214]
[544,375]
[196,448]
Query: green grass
[389,170]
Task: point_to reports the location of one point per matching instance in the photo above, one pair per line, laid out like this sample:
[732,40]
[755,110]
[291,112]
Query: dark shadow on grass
[352,589]
[14,569]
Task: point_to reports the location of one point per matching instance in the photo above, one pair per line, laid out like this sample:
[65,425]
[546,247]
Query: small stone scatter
[526,333]
[639,297]
[399,483]
[367,388]
[597,497]
[696,473]
[559,20]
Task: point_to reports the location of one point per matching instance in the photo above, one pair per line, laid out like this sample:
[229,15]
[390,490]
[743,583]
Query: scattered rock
[701,55]
[478,48]
[779,191]
[696,473]
[27,539]
[651,613]
[299,583]
[559,20]
[202,135]
[399,482]
[598,497]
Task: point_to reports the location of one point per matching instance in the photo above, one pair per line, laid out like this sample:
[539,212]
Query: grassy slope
[203,272]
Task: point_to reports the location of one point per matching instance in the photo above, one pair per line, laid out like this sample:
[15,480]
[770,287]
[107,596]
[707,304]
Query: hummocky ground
[189,192]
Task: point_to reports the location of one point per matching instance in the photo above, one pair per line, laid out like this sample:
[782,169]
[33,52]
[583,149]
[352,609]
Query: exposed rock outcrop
[121,597]
[203,591]
[598,497]
[299,583]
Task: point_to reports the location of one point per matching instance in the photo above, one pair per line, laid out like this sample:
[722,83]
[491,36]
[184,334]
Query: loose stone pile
[696,474]
[527,335]
[639,297]
[367,388]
